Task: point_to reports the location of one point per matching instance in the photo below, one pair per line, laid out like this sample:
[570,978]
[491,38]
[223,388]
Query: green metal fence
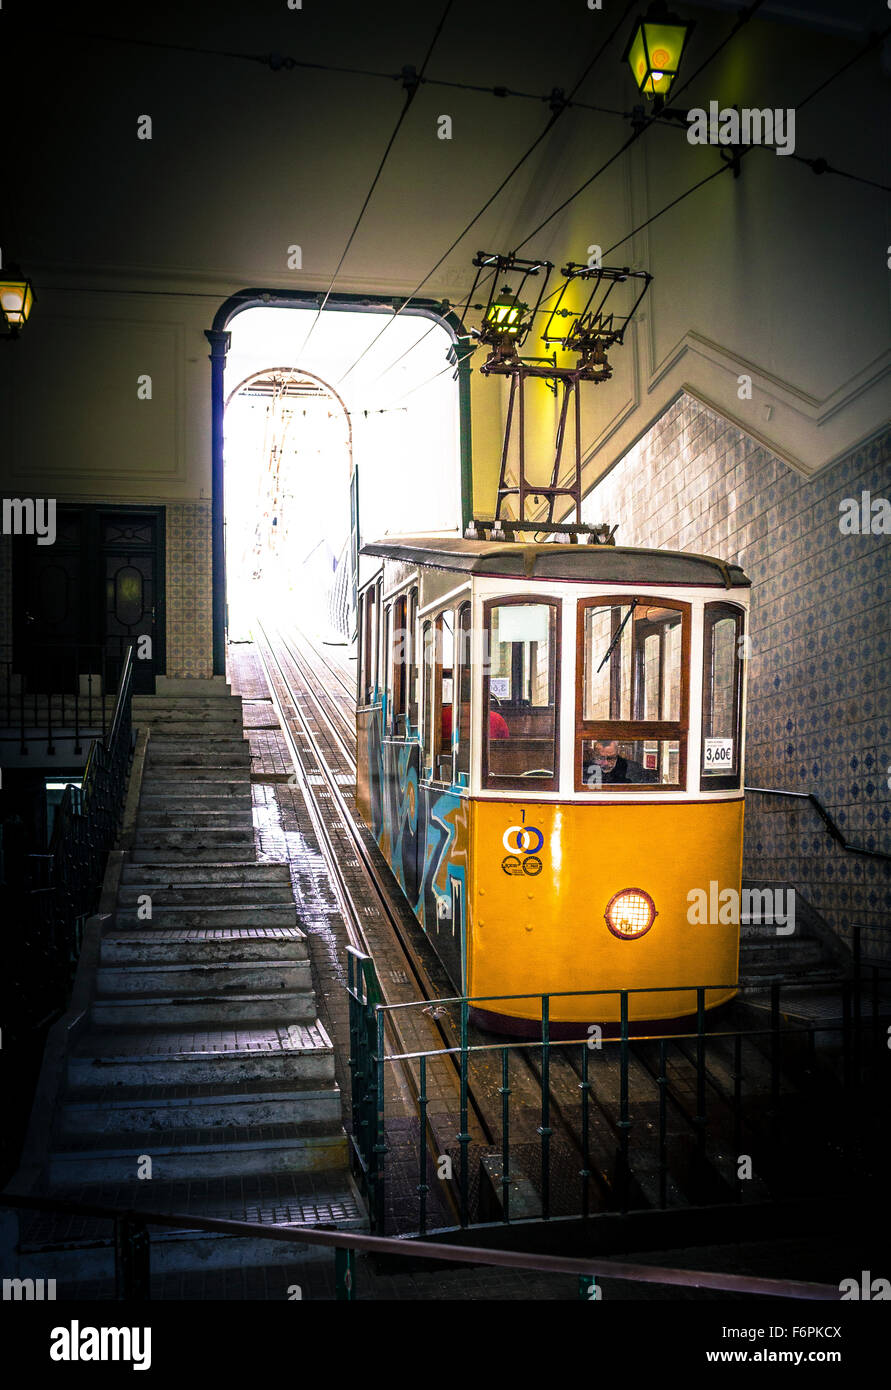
[752,1062]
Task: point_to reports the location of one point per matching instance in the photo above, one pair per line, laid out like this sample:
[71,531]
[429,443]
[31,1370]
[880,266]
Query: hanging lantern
[505,315]
[655,50]
[16,297]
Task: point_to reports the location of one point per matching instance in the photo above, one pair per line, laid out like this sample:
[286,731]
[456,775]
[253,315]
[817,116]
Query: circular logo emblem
[522,839]
[511,864]
[532,865]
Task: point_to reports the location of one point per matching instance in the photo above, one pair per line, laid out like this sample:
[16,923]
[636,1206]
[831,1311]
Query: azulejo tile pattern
[819,706]
[189,590]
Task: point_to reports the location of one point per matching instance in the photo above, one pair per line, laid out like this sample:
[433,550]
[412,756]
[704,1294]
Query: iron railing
[64,885]
[827,819]
[132,1254]
[61,692]
[698,1054]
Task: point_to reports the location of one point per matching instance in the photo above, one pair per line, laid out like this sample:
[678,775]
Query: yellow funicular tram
[550,726]
[550,753]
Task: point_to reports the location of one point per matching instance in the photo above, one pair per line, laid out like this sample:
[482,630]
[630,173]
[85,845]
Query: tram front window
[632,693]
[522,694]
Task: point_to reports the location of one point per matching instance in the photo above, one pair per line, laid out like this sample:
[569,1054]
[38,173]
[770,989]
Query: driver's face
[605,754]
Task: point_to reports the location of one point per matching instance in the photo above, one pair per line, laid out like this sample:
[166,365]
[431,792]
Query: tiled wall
[189,591]
[819,708]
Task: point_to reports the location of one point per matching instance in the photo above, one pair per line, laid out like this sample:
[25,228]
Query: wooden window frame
[413,664]
[730,781]
[620,730]
[380,669]
[431,709]
[491,781]
[368,645]
[462,666]
[387,665]
[399,667]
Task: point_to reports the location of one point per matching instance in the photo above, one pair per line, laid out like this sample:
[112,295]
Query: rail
[826,817]
[700,1054]
[132,1255]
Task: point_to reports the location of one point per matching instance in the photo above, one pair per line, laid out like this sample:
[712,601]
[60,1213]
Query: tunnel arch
[219,338]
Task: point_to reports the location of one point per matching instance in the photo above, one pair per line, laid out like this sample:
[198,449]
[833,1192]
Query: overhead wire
[871,43]
[724,168]
[411,91]
[555,116]
[742,19]
[462,314]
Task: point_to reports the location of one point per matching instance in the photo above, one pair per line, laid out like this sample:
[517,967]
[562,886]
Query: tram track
[276,653]
[312,715]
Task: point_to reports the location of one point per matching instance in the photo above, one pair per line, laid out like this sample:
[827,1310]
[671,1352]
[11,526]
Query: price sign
[718,754]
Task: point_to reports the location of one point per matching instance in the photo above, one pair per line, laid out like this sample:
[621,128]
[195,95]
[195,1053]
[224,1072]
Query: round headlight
[630,913]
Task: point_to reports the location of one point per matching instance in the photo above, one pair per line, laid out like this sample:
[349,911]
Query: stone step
[211,730]
[222,1107]
[197,778]
[72,1251]
[211,906]
[202,946]
[264,976]
[193,1155]
[161,855]
[234,873]
[229,818]
[277,1008]
[207,742]
[782,951]
[213,796]
[203,700]
[214,899]
[188,1058]
[755,979]
[194,712]
[202,847]
[173,762]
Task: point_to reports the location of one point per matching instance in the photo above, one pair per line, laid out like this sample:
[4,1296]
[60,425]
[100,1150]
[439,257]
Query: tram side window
[368,645]
[462,654]
[432,727]
[412,663]
[400,659]
[721,695]
[521,694]
[445,680]
[632,693]
[386,663]
[380,650]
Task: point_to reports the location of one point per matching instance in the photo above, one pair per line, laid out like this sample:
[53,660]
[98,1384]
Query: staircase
[204,1060]
[810,956]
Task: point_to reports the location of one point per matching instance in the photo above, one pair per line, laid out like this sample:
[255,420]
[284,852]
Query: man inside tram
[612,767]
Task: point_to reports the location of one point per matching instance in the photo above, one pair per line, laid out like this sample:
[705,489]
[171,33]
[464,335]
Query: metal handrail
[124,692]
[585,1269]
[65,883]
[827,819]
[37,716]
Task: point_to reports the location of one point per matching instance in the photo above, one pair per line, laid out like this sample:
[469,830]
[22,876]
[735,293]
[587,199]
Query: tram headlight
[630,913]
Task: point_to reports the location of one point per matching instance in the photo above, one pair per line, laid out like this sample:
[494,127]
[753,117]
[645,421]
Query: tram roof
[592,563]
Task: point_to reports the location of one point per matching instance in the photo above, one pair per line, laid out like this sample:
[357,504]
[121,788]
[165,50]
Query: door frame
[92,606]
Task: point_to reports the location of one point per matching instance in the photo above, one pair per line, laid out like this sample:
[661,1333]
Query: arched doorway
[347,311]
[288,464]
